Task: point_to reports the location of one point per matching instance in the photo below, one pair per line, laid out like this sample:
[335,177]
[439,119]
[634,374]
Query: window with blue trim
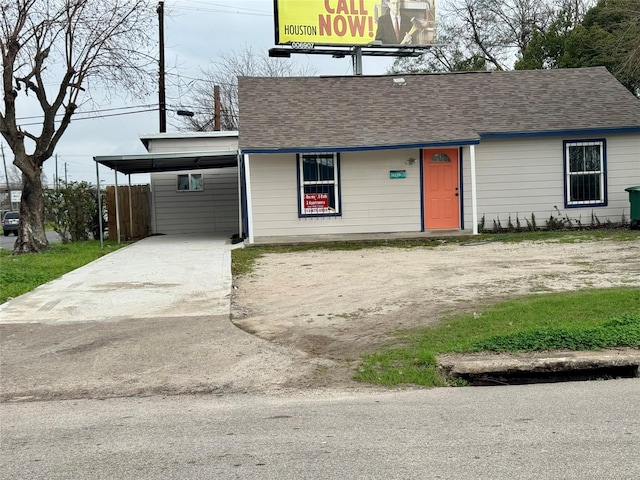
[585,178]
[318,178]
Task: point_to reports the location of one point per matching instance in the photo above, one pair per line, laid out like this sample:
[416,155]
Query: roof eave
[360,148]
[561,133]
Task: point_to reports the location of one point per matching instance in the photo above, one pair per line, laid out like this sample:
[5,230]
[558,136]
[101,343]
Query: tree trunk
[31,233]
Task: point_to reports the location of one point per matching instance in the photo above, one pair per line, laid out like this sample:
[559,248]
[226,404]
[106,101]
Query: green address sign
[397,174]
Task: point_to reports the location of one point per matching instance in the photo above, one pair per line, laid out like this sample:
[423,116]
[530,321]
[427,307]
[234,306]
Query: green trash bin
[634,199]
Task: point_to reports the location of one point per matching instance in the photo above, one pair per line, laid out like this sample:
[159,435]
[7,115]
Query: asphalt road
[580,430]
[7,242]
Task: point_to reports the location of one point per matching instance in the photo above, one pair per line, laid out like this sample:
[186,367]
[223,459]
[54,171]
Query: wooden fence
[135,212]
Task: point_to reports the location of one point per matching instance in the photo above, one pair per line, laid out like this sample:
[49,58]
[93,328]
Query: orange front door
[441,188]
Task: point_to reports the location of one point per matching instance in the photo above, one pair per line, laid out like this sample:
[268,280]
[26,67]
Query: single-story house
[400,155]
[422,153]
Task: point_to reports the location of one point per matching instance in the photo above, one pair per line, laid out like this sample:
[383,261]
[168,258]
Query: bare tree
[55,50]
[452,53]
[225,73]
[488,34]
[576,8]
[501,30]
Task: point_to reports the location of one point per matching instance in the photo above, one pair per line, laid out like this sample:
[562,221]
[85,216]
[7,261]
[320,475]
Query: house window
[585,175]
[441,158]
[319,185]
[190,182]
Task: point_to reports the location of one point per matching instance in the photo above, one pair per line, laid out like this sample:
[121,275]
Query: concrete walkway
[161,276]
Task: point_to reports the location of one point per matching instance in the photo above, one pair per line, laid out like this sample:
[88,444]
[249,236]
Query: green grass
[582,320]
[22,273]
[243,259]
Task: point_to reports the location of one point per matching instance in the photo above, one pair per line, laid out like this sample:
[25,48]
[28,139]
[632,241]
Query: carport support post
[474,196]
[99,204]
[130,211]
[117,207]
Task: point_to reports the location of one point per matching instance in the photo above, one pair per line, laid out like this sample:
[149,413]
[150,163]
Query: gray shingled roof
[368,111]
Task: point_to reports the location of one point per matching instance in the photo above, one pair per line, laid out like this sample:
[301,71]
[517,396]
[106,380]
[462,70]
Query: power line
[226,9]
[227,6]
[206,80]
[98,116]
[149,105]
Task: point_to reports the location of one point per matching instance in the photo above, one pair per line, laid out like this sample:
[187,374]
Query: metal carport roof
[160,162]
[168,162]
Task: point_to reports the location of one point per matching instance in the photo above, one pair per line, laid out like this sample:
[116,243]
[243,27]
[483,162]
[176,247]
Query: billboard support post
[356,57]
[356,52]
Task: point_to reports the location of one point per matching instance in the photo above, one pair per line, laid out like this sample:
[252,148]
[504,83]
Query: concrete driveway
[151,318]
[161,276]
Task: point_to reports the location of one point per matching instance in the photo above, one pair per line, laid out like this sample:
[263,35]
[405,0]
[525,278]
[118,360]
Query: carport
[165,162]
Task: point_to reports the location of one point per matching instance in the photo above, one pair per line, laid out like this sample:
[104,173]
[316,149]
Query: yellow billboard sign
[354,22]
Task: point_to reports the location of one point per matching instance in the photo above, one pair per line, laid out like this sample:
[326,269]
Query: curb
[540,366]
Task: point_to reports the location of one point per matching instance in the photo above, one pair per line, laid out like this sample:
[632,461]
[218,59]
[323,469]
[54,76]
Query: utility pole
[216,108]
[161,86]
[57,180]
[65,174]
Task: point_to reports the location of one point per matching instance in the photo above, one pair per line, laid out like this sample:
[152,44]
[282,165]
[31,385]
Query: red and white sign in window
[315,203]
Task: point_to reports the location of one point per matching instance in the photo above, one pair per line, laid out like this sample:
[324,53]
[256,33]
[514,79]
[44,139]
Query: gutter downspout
[240,222]
[247,177]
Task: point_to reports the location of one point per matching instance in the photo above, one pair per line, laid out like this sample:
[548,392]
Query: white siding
[518,177]
[515,178]
[212,210]
[194,142]
[371,201]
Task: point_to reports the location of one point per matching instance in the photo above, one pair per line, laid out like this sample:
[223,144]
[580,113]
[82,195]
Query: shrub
[73,209]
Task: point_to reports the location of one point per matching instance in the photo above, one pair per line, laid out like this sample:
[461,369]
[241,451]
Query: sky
[196,33]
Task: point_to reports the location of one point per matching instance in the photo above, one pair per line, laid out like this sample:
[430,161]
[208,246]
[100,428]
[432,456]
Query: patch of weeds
[540,288]
[391,369]
[551,276]
[623,331]
[589,272]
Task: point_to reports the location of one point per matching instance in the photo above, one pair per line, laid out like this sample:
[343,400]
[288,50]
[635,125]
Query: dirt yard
[338,304]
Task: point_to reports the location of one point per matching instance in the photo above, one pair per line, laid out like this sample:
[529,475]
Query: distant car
[10,223]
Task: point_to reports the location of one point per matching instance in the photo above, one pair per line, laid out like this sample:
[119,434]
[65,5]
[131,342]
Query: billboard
[305,23]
